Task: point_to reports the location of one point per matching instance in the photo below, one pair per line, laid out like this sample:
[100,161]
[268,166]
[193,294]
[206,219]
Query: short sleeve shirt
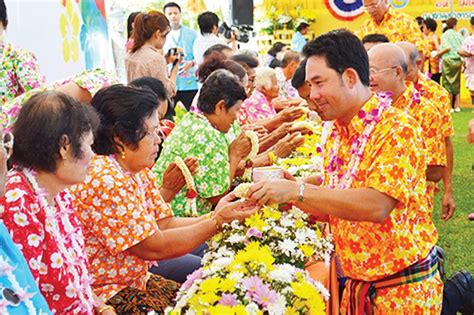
[392,164]
[453,40]
[398,27]
[195,137]
[255,108]
[52,243]
[19,72]
[439,97]
[118,210]
[430,120]
[468,45]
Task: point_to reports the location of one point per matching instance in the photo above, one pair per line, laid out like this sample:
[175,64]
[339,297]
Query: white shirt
[202,43]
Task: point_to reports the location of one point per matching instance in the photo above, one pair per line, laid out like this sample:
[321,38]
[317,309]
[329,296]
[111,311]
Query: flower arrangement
[256,267]
[307,159]
[274,18]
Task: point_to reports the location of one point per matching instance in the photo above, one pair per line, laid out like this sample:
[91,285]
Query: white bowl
[266,172]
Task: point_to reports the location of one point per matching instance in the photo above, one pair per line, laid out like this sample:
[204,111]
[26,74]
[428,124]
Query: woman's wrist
[213,217]
[104,309]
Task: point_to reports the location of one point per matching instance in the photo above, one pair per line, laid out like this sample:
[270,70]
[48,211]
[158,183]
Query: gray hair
[263,78]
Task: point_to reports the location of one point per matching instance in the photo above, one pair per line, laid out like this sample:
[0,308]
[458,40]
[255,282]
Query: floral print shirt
[52,243]
[398,27]
[15,275]
[19,72]
[255,108]
[195,137]
[118,210]
[439,97]
[430,120]
[91,80]
[393,164]
[287,91]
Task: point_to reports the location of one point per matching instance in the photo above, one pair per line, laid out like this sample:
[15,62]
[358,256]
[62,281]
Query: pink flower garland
[357,147]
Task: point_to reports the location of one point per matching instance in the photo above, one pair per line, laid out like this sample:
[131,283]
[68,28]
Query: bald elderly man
[388,70]
[395,25]
[431,90]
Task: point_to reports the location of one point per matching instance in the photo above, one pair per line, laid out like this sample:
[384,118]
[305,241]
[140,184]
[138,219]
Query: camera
[175,52]
[241,32]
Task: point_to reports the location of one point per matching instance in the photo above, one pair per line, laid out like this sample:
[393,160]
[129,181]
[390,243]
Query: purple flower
[264,296]
[191,278]
[254,232]
[361,114]
[252,283]
[228,300]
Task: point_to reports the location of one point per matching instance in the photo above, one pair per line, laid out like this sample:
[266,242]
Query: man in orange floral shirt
[397,26]
[373,190]
[388,70]
[434,92]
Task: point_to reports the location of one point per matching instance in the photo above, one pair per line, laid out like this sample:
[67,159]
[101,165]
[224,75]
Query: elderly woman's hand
[173,179]
[288,144]
[228,210]
[291,114]
[240,147]
[259,130]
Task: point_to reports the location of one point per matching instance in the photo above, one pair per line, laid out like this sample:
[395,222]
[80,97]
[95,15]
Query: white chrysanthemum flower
[287,247]
[280,275]
[279,307]
[236,238]
[286,221]
[252,309]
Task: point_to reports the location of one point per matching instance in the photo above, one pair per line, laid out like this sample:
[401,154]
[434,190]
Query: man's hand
[447,206]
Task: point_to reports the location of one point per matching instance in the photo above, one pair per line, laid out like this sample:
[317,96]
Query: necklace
[357,146]
[76,260]
[247,176]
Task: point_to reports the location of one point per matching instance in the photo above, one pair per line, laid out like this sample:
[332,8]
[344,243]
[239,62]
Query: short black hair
[171,5]
[472,20]
[220,85]
[431,24]
[153,84]
[302,26]
[217,47]
[375,38]
[206,21]
[299,77]
[342,50]
[3,14]
[275,63]
[419,20]
[46,122]
[245,60]
[122,110]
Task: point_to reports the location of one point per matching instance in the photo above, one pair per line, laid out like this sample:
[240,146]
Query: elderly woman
[52,151]
[204,137]
[127,224]
[258,108]
[81,87]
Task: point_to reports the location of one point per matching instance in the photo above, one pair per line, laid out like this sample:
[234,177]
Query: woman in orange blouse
[429,29]
[127,225]
[145,58]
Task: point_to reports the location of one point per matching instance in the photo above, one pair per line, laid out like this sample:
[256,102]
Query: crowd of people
[95,212]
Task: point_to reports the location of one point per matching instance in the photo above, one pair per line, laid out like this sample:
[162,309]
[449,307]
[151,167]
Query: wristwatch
[301,193]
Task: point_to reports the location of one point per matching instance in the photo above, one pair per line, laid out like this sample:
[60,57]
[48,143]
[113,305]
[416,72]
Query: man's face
[327,89]
[304,92]
[383,73]
[174,16]
[375,9]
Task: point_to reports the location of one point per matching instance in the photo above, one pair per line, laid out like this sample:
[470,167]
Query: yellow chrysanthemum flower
[210,285]
[307,250]
[227,285]
[256,221]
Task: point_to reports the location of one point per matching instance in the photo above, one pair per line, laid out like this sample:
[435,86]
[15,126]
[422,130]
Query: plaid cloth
[362,294]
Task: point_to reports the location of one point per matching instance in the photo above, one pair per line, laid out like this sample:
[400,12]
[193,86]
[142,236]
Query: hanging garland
[247,177]
[191,193]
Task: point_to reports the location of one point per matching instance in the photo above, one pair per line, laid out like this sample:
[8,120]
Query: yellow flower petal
[63,25]
[65,50]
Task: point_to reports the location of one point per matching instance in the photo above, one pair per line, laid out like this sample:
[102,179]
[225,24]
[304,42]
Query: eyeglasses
[373,71]
[156,132]
[371,6]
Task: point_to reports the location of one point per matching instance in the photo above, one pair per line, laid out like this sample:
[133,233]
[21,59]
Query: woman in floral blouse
[52,151]
[19,71]
[204,136]
[127,224]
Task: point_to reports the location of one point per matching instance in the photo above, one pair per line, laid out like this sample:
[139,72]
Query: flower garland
[357,146]
[247,177]
[191,193]
[76,258]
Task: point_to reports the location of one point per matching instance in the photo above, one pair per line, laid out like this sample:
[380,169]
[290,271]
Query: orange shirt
[430,120]
[398,27]
[393,164]
[438,95]
[434,62]
[117,210]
